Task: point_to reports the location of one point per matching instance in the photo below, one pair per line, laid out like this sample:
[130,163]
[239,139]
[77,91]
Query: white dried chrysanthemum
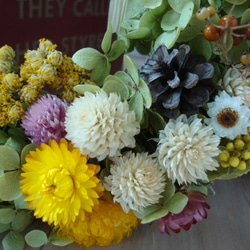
[101,124]
[236,82]
[186,149]
[136,181]
[228,116]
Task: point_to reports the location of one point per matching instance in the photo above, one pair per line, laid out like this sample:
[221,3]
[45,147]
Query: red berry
[247,32]
[211,33]
[236,40]
[228,21]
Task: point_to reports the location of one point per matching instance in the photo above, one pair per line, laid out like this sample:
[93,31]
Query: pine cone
[236,82]
[179,83]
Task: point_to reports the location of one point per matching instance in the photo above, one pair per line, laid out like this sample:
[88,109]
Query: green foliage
[13,240]
[56,240]
[36,238]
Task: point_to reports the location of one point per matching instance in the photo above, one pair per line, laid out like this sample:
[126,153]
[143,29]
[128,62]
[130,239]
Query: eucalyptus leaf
[178,5]
[130,24]
[26,150]
[201,188]
[17,132]
[236,2]
[36,238]
[21,220]
[106,41]
[20,203]
[238,9]
[4,228]
[169,191]
[59,241]
[136,104]
[9,159]
[113,84]
[82,88]
[147,20]
[87,58]
[9,186]
[117,48]
[123,76]
[176,203]
[6,215]
[235,52]
[131,68]
[156,120]
[152,4]
[188,34]
[13,240]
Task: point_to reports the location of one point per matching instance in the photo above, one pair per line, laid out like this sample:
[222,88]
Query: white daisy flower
[187,148]
[136,181]
[101,125]
[228,116]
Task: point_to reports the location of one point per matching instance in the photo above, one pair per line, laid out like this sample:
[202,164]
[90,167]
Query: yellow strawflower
[59,183]
[107,224]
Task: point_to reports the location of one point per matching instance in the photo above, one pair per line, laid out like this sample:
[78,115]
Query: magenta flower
[194,212]
[44,119]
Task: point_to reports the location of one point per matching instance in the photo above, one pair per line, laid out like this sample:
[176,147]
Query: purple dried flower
[44,119]
[194,211]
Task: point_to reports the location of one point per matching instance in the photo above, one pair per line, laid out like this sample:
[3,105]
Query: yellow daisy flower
[58,182]
[107,224]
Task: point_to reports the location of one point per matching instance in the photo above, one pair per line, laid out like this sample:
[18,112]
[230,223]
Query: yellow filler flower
[58,182]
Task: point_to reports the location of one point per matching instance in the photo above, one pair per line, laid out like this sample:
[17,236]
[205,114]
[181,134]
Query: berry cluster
[228,24]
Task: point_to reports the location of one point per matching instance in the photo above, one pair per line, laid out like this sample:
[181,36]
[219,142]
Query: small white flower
[228,116]
[187,149]
[136,181]
[101,125]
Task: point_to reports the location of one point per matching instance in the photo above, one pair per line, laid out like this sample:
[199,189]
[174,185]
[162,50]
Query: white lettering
[61,4]
[48,7]
[21,9]
[75,8]
[35,7]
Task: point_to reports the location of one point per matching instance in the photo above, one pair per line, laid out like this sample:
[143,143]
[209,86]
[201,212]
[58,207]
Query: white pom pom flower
[187,148]
[136,181]
[101,124]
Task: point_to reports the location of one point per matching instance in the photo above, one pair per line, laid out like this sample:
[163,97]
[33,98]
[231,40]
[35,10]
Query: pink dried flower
[194,212]
[44,119]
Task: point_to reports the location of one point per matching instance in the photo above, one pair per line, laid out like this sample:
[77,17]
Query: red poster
[71,24]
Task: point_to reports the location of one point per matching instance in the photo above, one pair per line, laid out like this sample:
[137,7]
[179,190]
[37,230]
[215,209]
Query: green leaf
[9,159]
[117,48]
[36,238]
[128,81]
[169,191]
[82,88]
[136,104]
[245,17]
[59,241]
[188,34]
[152,4]
[201,188]
[238,9]
[145,92]
[176,203]
[21,220]
[9,186]
[178,5]
[26,150]
[4,228]
[131,68]
[3,137]
[6,215]
[235,52]
[170,20]
[236,2]
[168,38]
[200,46]
[113,84]
[13,240]
[87,58]
[20,203]
[130,24]
[140,33]
[147,20]
[156,121]
[106,41]
[155,216]
[100,71]
[147,210]
[186,14]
